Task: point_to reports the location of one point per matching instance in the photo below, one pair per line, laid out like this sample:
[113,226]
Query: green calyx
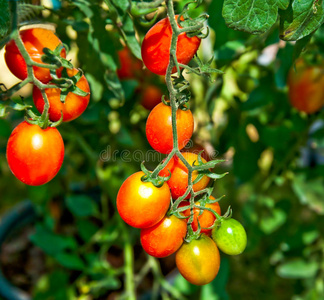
[157,181]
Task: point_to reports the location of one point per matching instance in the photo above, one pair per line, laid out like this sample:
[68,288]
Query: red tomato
[35,155]
[178,182]
[130,66]
[156,47]
[141,204]
[198,261]
[35,40]
[159,128]
[73,106]
[197,148]
[151,96]
[164,238]
[206,219]
[306,91]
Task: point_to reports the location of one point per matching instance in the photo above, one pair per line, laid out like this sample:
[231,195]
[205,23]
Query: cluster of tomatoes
[35,151]
[144,202]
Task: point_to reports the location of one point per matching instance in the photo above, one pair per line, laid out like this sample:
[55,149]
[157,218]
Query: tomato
[159,128]
[151,96]
[164,238]
[206,219]
[73,105]
[35,40]
[306,91]
[198,261]
[178,182]
[141,204]
[156,47]
[130,66]
[35,155]
[230,236]
[197,148]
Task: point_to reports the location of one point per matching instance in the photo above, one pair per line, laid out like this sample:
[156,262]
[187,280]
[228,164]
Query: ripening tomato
[156,47]
[151,96]
[141,204]
[164,238]
[206,219]
[306,91]
[178,182]
[198,261]
[73,105]
[35,155]
[230,237]
[34,39]
[159,128]
[130,66]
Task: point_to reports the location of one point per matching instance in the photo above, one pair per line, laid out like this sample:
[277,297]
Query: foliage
[274,154]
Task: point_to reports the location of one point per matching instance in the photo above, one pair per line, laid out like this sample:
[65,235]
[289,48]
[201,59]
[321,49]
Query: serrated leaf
[4,18]
[252,16]
[301,19]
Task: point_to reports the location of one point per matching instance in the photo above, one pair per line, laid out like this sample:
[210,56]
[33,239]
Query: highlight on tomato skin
[198,261]
[141,204]
[156,47]
[305,84]
[159,128]
[164,238]
[34,39]
[35,155]
[73,106]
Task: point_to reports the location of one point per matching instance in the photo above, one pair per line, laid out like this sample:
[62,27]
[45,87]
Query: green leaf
[301,19]
[4,18]
[301,45]
[121,4]
[70,261]
[252,16]
[81,205]
[273,222]
[86,229]
[50,242]
[298,268]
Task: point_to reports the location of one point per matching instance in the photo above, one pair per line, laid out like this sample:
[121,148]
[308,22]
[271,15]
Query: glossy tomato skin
[230,237]
[73,106]
[130,67]
[34,39]
[198,261]
[151,96]
[164,238]
[178,182]
[159,128]
[306,91]
[35,155]
[156,47]
[206,219]
[141,204]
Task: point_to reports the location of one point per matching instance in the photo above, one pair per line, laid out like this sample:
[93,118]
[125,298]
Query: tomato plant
[206,218]
[34,40]
[306,87]
[141,204]
[72,107]
[156,47]
[198,261]
[160,121]
[35,155]
[230,236]
[164,238]
[178,182]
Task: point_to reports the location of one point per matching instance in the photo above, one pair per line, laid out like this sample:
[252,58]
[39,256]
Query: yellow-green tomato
[230,237]
[198,261]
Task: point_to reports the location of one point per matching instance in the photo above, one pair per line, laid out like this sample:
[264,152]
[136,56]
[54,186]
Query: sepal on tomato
[157,181]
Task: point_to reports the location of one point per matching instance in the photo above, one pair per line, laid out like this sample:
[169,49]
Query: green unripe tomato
[230,237]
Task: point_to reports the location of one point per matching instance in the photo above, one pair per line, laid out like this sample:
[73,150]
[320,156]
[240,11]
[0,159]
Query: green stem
[129,269]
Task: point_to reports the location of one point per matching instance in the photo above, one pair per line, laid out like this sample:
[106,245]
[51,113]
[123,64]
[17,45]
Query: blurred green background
[77,247]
